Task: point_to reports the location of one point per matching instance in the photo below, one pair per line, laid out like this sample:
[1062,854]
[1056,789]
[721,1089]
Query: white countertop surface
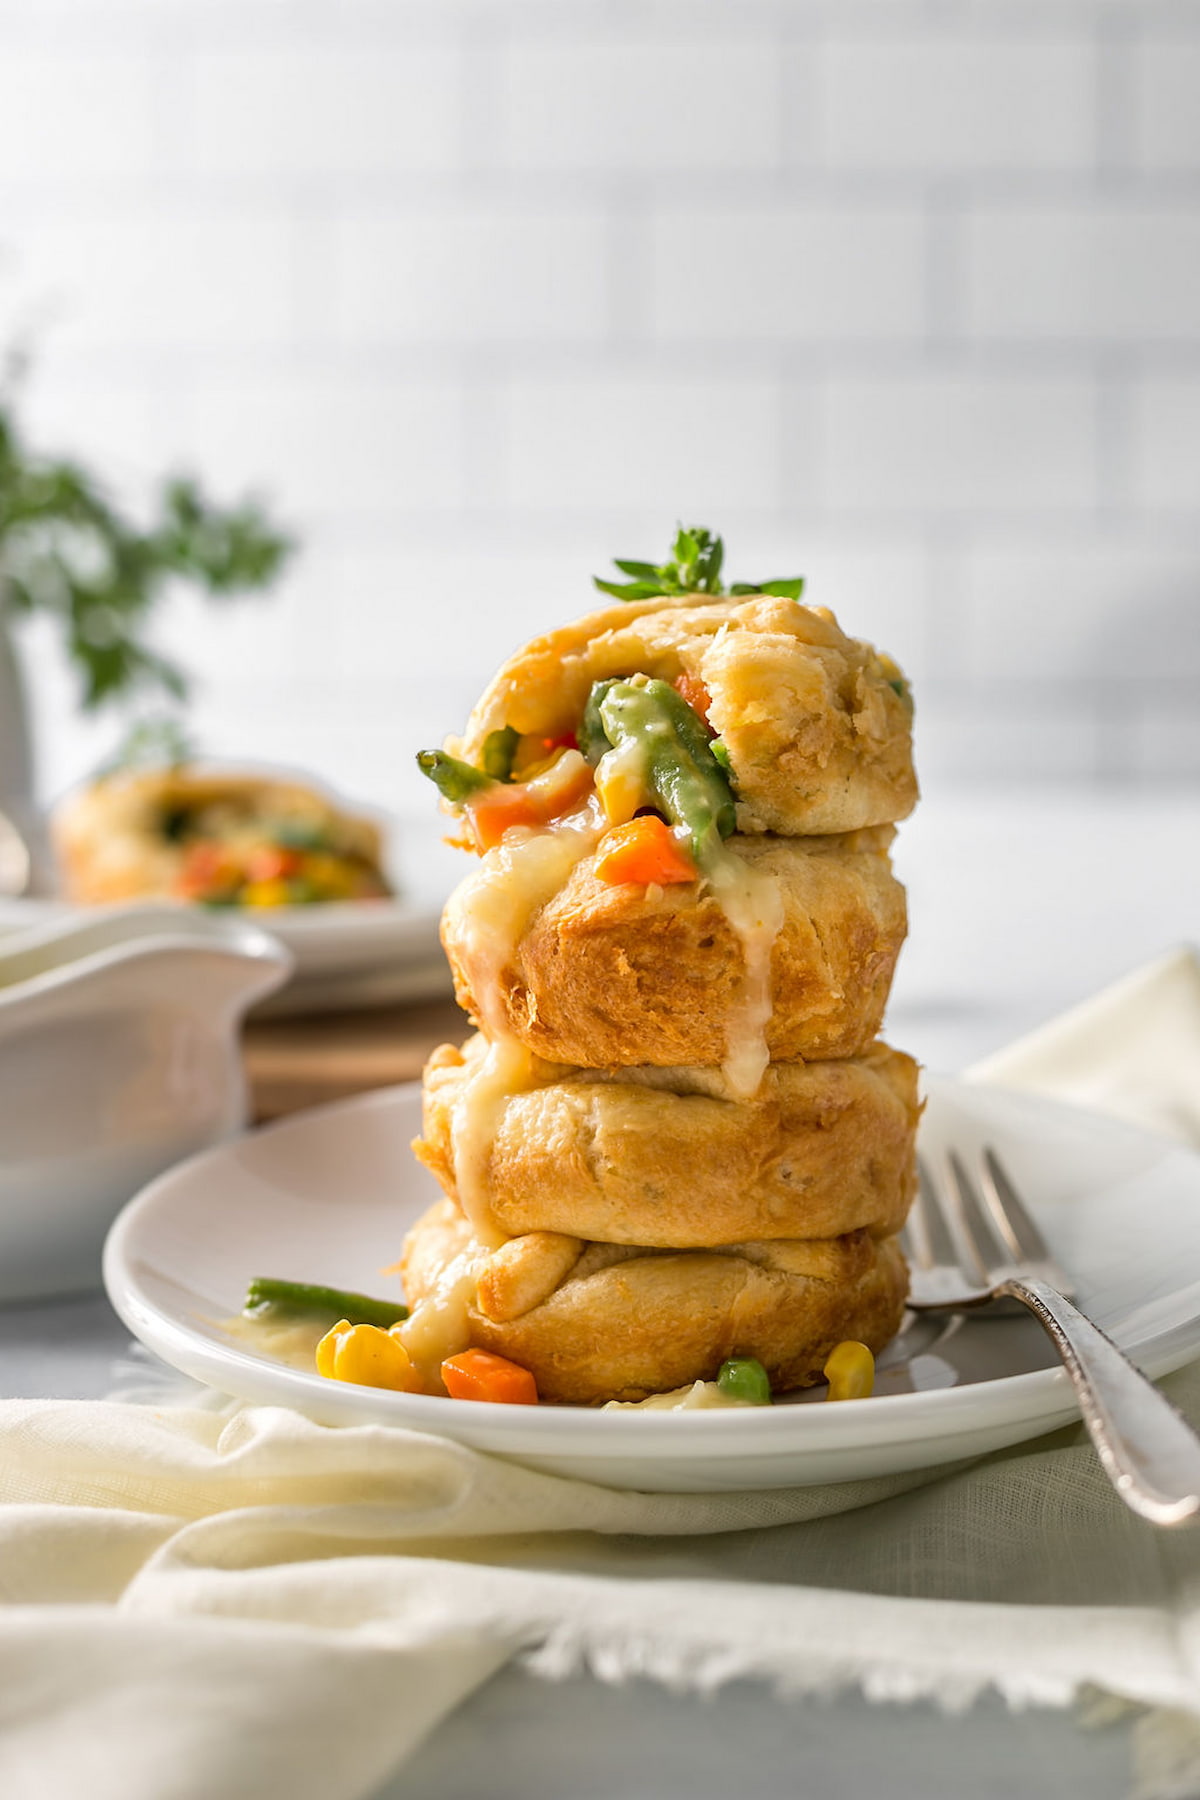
[1022,902]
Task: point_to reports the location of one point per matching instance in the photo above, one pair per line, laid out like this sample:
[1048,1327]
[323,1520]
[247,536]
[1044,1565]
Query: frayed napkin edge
[1165,1742]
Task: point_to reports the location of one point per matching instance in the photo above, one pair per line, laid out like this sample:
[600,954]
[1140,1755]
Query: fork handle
[1148,1450]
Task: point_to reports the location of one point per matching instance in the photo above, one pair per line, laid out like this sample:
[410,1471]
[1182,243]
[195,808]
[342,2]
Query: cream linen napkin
[200,1603]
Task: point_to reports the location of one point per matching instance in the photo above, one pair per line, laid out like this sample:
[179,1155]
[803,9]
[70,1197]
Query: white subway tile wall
[482,292]
[1164,437]
[960,442]
[959,98]
[781,273]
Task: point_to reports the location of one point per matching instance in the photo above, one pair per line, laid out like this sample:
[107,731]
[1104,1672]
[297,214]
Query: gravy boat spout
[118,1056]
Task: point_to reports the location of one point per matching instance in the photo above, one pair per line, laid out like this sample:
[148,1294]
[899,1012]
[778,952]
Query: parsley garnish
[695,568]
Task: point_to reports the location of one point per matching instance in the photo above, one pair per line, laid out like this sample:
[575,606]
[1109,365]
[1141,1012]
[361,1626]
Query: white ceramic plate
[349,954]
[327,1196]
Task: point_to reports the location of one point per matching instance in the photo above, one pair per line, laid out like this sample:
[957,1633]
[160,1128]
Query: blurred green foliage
[68,550]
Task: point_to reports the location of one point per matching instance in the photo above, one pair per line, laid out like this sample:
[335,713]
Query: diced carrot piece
[693,690]
[496,809]
[481,1375]
[645,850]
[273,862]
[208,868]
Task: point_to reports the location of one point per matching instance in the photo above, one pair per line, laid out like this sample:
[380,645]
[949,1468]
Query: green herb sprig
[695,568]
[68,550]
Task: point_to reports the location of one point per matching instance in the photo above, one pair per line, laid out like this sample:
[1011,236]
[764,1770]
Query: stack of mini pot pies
[676,1137]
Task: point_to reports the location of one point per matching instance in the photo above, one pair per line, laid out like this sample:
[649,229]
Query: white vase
[16,750]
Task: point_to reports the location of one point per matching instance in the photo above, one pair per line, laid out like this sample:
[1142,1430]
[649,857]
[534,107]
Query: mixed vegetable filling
[644,748]
[231,859]
[362,1345]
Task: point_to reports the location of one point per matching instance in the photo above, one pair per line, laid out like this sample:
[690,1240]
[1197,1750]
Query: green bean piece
[744,1378]
[696,736]
[454,780]
[499,749]
[593,739]
[721,752]
[684,776]
[267,1295]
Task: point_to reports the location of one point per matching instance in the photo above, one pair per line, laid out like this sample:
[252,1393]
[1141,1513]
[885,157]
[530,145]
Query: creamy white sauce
[438,1327]
[512,882]
[288,1340]
[505,1069]
[702,1396]
[752,901]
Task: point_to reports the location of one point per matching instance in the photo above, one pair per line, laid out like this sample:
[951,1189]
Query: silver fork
[972,1243]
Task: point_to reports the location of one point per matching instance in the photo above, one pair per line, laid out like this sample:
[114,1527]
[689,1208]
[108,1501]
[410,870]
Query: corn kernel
[850,1371]
[266,893]
[331,875]
[620,794]
[327,1348]
[367,1356]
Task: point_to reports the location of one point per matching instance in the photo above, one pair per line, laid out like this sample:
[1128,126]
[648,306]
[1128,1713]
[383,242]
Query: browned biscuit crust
[667,1158]
[622,974]
[818,726]
[626,1323]
[110,842]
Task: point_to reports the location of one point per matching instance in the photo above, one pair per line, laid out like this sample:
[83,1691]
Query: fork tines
[977,1225]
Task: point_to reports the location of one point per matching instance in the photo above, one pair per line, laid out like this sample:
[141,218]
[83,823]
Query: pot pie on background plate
[214,837]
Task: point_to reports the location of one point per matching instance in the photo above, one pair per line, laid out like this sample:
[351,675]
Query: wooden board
[293,1063]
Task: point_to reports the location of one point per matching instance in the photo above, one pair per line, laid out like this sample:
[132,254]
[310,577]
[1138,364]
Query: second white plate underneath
[348,954]
[327,1196]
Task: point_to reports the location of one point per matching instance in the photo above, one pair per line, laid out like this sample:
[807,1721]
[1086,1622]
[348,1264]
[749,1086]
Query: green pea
[744,1378]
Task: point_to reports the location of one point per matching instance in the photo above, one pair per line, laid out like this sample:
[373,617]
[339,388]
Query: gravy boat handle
[65,953]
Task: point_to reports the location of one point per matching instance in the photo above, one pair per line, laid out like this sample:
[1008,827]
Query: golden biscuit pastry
[668,1158]
[624,974]
[524,1272]
[626,1322]
[124,837]
[817,725]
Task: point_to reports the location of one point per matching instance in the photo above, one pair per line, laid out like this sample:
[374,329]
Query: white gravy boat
[118,1055]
